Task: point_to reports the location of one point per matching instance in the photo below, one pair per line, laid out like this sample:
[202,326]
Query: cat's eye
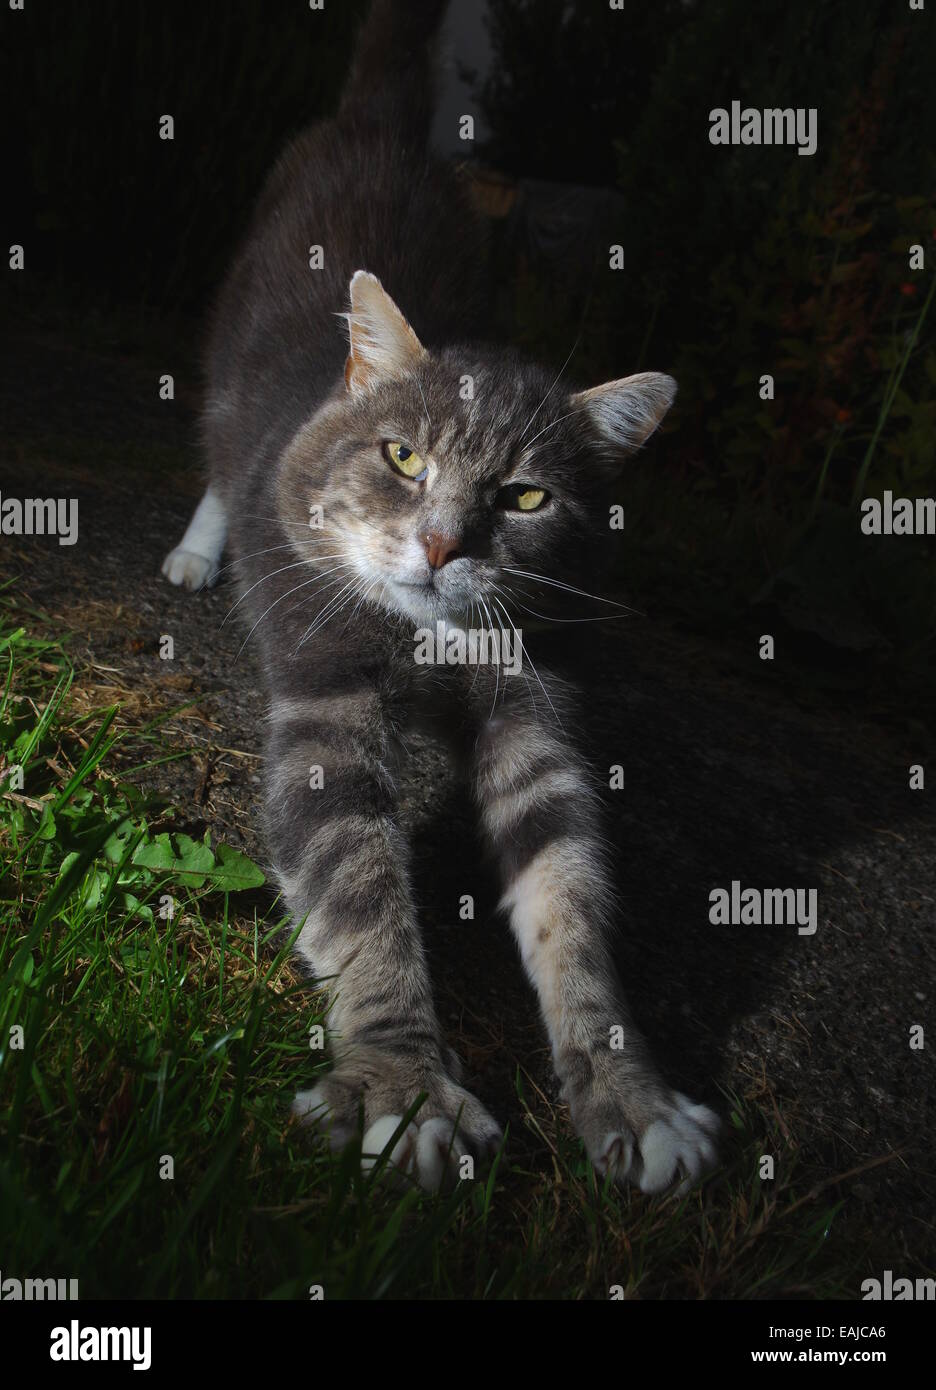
[520,497]
[405,461]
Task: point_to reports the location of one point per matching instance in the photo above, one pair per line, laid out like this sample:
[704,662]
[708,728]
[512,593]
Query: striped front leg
[343,864]
[539,809]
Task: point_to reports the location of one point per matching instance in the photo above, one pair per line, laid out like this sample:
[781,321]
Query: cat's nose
[440,548]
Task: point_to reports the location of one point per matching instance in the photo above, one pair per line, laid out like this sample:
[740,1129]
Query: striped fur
[298,416]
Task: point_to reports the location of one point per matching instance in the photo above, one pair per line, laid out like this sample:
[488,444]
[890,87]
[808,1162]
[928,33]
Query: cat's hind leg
[194,561]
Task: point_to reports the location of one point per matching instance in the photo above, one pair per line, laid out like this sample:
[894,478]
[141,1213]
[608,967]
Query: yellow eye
[406,462]
[518,497]
[529,500]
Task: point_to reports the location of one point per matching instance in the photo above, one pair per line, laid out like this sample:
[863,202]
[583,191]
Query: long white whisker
[558,421]
[490,624]
[326,610]
[471,620]
[527,657]
[546,617]
[501,627]
[502,644]
[333,606]
[571,588]
[319,593]
[362,591]
[550,391]
[340,603]
[304,585]
[271,575]
[425,407]
[287,545]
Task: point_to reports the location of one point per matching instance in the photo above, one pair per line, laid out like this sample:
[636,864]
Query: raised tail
[393,70]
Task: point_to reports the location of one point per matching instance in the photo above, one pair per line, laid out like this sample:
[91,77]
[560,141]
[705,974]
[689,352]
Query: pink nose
[440,549]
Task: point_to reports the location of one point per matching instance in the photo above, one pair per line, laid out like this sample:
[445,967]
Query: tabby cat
[383,478]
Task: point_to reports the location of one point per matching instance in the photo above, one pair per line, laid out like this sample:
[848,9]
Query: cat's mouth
[428,597]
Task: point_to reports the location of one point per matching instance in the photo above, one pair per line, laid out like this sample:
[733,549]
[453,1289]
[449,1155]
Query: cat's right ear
[381,342]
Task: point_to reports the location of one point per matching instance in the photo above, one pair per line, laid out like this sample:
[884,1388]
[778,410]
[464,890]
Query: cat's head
[447,478]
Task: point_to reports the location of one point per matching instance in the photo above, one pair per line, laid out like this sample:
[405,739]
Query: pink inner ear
[382,342]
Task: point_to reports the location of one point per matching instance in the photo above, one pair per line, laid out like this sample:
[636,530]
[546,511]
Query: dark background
[739,261]
[741,515]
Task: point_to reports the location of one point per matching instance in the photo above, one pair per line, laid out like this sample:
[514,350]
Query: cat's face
[447,480]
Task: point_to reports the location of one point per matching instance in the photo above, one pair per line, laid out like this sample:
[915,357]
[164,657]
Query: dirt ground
[727,778]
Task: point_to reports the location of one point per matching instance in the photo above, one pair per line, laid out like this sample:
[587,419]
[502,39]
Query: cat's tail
[393,70]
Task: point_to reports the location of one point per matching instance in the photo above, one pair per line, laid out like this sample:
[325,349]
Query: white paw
[675,1148]
[191,570]
[430,1152]
[311,1108]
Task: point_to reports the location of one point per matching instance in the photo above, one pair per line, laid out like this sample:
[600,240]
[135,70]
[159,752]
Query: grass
[153,1032]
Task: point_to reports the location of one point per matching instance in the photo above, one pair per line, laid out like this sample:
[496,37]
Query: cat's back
[356,191]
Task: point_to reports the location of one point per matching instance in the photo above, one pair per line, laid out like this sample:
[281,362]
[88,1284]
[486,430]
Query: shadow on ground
[726,778]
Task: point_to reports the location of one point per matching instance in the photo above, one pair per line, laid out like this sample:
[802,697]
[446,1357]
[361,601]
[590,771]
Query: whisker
[250,634]
[334,605]
[287,545]
[338,605]
[364,591]
[490,625]
[571,588]
[502,645]
[501,627]
[471,620]
[318,594]
[550,391]
[271,575]
[527,657]
[602,617]
[558,421]
[425,407]
[281,521]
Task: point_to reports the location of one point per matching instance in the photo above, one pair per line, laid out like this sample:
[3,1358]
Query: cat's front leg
[343,863]
[194,561]
[539,810]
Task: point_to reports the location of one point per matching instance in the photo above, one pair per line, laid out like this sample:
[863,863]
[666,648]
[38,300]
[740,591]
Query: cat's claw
[430,1149]
[190,570]
[674,1150]
[431,1152]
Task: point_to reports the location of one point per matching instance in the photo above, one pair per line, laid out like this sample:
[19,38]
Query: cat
[394,477]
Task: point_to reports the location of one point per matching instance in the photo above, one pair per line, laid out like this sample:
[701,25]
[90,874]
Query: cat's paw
[190,570]
[663,1140]
[431,1152]
[450,1125]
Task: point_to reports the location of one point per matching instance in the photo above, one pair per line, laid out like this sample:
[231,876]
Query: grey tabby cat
[442,469]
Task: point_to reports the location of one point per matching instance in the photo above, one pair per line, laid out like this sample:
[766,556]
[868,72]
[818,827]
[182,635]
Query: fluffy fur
[313,373]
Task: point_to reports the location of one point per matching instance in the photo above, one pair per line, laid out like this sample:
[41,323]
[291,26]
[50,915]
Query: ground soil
[729,776]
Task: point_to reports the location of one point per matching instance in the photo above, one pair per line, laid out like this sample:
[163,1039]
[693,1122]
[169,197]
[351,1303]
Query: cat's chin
[423,603]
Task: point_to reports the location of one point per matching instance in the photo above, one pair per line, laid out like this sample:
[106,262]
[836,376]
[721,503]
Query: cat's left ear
[626,412]
[381,342]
